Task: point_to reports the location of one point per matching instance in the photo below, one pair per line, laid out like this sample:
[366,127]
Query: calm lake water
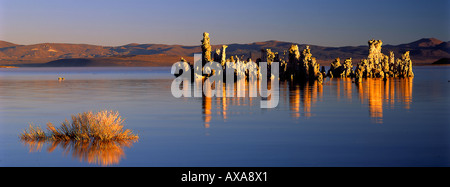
[400,122]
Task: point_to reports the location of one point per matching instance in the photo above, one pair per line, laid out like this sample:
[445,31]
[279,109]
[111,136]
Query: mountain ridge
[422,51]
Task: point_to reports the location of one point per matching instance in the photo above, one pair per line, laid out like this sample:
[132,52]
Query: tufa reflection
[304,95]
[377,93]
[301,98]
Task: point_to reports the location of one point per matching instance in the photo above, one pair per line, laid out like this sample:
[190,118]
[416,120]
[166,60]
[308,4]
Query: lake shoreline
[9,67]
[137,66]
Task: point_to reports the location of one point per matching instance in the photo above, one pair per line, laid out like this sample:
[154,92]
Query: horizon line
[134,43]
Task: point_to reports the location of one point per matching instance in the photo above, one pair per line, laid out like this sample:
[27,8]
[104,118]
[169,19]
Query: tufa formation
[302,66]
[378,65]
[206,49]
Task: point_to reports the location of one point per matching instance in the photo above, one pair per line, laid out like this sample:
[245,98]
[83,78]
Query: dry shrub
[101,126]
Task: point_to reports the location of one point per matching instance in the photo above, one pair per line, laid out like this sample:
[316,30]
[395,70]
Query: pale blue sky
[321,22]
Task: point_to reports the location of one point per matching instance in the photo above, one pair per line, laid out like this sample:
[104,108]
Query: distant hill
[4,44]
[442,61]
[423,51]
[123,60]
[424,42]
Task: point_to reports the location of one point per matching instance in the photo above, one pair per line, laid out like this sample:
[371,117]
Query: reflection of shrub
[102,126]
[104,153]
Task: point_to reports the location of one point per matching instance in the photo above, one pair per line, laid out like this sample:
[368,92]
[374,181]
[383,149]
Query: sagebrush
[102,126]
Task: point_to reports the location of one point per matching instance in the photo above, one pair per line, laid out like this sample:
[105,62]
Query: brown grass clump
[101,126]
[33,133]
